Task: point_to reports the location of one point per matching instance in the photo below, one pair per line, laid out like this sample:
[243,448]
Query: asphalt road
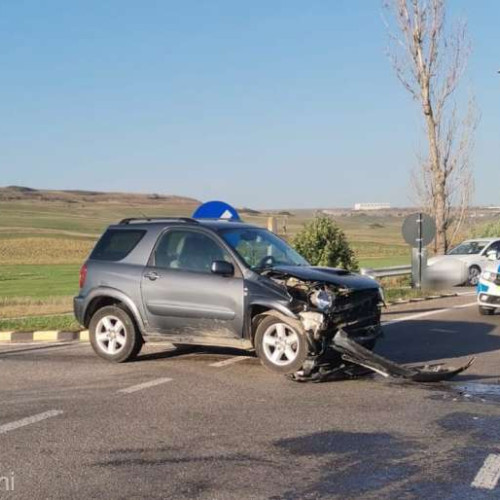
[214,424]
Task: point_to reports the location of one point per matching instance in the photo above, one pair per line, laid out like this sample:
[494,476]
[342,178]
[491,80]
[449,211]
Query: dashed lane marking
[145,385]
[427,313]
[489,474]
[230,361]
[29,420]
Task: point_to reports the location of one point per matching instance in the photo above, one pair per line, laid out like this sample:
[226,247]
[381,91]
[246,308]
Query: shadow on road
[353,465]
[417,341]
[356,465]
[182,350]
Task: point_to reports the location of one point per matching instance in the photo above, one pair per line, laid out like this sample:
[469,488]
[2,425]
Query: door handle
[152,275]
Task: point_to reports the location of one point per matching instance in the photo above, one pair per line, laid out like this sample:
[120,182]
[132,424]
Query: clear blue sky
[267,103]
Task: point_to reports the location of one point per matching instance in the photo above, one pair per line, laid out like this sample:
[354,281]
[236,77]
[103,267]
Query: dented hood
[330,275]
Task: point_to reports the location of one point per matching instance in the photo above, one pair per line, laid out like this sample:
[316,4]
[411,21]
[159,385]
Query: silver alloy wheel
[280,344]
[110,335]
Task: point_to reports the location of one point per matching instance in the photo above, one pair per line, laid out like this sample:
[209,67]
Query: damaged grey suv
[225,283]
[221,283]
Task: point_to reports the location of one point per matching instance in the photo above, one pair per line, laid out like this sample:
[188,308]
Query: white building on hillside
[372,206]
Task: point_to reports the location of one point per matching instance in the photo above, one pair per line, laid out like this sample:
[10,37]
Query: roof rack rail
[157,219]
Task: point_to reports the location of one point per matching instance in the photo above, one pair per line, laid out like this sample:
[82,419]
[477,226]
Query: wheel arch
[259,310]
[107,297]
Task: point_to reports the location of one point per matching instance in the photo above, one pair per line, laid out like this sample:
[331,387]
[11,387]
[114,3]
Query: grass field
[62,323]
[45,238]
[377,262]
[32,289]
[38,281]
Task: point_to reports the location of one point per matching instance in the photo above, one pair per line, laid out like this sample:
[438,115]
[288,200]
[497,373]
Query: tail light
[83,275]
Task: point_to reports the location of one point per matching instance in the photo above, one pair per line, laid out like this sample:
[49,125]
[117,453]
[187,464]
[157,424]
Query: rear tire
[113,335]
[473,276]
[486,311]
[280,345]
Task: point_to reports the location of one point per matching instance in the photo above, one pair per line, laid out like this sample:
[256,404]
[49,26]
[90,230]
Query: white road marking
[144,385]
[230,361]
[29,420]
[427,313]
[489,474]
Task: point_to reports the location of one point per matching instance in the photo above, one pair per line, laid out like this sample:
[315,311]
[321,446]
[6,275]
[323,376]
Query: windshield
[261,249]
[468,248]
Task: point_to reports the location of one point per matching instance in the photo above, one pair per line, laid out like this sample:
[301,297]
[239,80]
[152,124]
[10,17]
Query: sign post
[418,231]
[420,256]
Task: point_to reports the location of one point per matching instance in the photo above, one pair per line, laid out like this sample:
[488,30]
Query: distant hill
[23,193]
[249,211]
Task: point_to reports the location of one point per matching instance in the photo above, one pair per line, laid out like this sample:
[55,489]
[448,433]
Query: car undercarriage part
[356,360]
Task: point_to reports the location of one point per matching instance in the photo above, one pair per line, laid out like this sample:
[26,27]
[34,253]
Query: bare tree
[429,60]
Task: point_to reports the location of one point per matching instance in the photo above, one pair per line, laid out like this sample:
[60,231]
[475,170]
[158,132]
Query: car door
[182,296]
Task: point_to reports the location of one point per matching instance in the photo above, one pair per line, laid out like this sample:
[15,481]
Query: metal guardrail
[386,272]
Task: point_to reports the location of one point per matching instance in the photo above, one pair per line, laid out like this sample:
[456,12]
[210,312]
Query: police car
[488,288]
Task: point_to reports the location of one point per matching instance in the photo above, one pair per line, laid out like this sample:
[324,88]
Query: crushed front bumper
[355,353]
[348,358]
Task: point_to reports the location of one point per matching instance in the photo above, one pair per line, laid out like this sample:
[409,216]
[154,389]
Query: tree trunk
[440,216]
[439,179]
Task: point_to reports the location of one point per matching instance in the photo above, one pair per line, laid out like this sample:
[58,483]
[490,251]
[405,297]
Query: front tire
[486,311]
[280,345]
[113,335]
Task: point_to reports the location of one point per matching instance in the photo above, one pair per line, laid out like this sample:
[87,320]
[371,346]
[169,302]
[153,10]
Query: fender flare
[104,292]
[274,305]
[274,309]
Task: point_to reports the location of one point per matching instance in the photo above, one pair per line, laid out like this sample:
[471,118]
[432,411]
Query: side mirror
[492,255]
[222,268]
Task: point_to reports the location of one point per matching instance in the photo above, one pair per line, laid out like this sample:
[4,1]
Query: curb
[44,336]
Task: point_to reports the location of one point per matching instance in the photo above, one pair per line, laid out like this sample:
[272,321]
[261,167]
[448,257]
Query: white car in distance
[472,253]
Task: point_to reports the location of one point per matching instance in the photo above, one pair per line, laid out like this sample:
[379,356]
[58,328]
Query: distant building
[371,206]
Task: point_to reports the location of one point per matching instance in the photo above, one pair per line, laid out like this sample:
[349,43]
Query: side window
[188,251]
[116,244]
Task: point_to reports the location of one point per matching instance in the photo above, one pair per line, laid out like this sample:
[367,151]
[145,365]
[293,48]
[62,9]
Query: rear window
[116,244]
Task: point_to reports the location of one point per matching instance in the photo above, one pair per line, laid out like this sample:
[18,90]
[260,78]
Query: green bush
[323,243]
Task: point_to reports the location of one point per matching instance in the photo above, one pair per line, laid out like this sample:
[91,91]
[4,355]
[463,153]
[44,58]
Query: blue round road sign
[216,210]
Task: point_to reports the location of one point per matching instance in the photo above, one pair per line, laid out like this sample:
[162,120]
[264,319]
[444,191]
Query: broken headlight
[322,300]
